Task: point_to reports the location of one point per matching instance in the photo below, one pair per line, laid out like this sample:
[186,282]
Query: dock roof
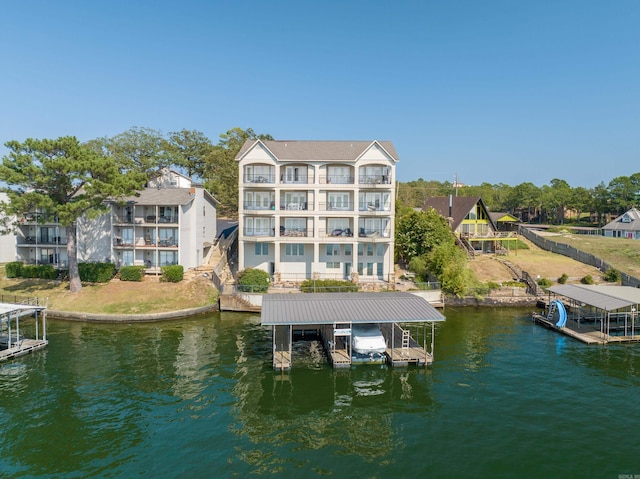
[330,308]
[608,298]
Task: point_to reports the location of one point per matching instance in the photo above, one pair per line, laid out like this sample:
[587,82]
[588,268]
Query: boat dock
[12,342]
[593,314]
[403,319]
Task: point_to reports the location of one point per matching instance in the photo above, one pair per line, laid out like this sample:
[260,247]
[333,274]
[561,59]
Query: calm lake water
[198,399]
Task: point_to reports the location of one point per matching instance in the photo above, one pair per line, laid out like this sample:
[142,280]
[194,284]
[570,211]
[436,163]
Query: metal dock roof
[608,298]
[329,308]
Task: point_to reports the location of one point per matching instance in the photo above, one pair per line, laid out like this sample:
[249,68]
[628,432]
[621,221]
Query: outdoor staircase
[406,338]
[465,245]
[520,275]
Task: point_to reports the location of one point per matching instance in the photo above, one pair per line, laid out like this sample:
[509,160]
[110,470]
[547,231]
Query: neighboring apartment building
[169,222]
[7,240]
[317,209]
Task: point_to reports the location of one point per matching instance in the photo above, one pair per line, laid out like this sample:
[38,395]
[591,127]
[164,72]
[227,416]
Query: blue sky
[497,91]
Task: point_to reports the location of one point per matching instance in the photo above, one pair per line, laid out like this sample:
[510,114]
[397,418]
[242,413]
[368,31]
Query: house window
[380,251]
[370,249]
[360,268]
[360,249]
[262,249]
[294,249]
[127,258]
[347,250]
[333,265]
[338,201]
[167,258]
[333,250]
[369,269]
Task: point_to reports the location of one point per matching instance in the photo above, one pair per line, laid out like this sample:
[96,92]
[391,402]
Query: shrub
[515,284]
[13,269]
[131,273]
[172,273]
[328,286]
[493,285]
[96,272]
[47,271]
[563,279]
[544,282]
[613,276]
[253,280]
[587,279]
[29,271]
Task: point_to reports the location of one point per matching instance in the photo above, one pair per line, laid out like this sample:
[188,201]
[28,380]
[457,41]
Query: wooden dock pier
[14,345]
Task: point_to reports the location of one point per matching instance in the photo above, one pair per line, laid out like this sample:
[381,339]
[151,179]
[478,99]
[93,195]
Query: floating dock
[12,343]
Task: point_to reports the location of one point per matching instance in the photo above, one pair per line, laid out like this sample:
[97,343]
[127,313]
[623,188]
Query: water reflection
[315,408]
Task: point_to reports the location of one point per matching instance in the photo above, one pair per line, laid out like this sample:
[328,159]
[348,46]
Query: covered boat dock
[407,322]
[12,341]
[593,314]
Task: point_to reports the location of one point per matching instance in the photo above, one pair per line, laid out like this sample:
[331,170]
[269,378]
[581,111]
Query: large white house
[172,221]
[317,209]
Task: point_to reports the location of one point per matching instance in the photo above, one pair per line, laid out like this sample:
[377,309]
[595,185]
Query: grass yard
[115,297]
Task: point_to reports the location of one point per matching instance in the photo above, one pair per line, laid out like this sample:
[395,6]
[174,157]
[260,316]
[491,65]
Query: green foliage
[612,275]
[418,232]
[131,273]
[30,271]
[492,285]
[172,273]
[449,264]
[328,286]
[253,280]
[14,269]
[47,271]
[544,282]
[587,279]
[96,272]
[221,170]
[563,279]
[514,284]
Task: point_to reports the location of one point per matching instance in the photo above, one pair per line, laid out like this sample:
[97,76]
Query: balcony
[337,180]
[258,232]
[294,206]
[40,241]
[300,180]
[331,206]
[373,207]
[258,206]
[374,180]
[372,233]
[259,179]
[336,233]
[294,232]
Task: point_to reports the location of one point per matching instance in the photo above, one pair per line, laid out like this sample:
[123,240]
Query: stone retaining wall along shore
[130,318]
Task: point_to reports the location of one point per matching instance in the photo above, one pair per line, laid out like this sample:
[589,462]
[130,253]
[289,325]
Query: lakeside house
[471,223]
[317,209]
[171,221]
[626,225]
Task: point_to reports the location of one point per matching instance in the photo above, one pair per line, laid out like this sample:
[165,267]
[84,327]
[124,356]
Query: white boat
[367,339]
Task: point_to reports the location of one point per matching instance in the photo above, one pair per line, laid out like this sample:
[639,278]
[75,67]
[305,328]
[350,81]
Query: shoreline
[130,318]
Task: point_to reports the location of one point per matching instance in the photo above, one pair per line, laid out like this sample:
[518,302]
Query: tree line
[554,203]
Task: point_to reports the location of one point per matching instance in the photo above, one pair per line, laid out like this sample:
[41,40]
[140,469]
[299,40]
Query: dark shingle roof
[329,308]
[460,207]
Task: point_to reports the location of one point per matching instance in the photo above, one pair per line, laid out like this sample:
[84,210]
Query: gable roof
[503,217]
[303,150]
[460,207]
[620,223]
